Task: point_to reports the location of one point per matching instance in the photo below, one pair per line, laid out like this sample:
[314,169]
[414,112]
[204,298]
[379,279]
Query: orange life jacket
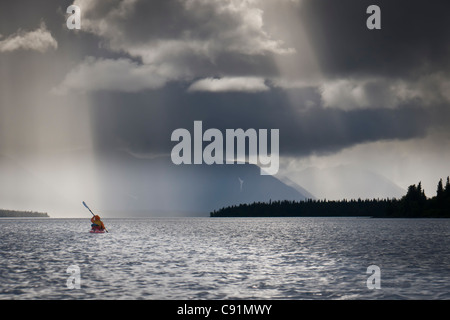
[96,220]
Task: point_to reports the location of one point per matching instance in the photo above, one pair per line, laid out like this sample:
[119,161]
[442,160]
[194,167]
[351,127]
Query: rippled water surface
[225,258]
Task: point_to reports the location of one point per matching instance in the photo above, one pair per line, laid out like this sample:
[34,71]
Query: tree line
[414,204]
[20,214]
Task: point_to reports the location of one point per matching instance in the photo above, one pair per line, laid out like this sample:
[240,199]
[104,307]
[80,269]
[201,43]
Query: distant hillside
[157,185]
[20,214]
[346,182]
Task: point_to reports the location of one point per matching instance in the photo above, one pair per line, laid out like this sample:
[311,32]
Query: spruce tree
[440,190]
[447,189]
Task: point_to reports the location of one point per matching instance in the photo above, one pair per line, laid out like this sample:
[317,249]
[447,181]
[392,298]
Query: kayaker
[97,224]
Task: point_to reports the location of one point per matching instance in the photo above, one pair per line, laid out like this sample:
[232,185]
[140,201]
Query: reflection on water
[225,258]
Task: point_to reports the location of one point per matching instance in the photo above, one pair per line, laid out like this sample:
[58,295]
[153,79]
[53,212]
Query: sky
[340,93]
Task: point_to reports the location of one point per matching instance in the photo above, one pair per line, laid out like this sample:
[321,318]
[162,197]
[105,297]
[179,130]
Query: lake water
[225,258]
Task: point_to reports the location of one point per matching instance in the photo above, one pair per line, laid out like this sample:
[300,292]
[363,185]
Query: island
[22,214]
[414,204]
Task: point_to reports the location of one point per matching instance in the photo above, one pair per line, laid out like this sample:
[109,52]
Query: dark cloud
[144,122]
[414,37]
[393,81]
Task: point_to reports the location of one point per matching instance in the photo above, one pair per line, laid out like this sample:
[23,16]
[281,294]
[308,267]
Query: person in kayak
[97,224]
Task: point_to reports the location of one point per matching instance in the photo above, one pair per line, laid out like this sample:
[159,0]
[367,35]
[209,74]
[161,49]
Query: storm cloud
[370,85]
[164,64]
[413,40]
[137,70]
[176,40]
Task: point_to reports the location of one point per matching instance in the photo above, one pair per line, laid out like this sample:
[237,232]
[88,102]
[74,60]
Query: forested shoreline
[21,214]
[414,204]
